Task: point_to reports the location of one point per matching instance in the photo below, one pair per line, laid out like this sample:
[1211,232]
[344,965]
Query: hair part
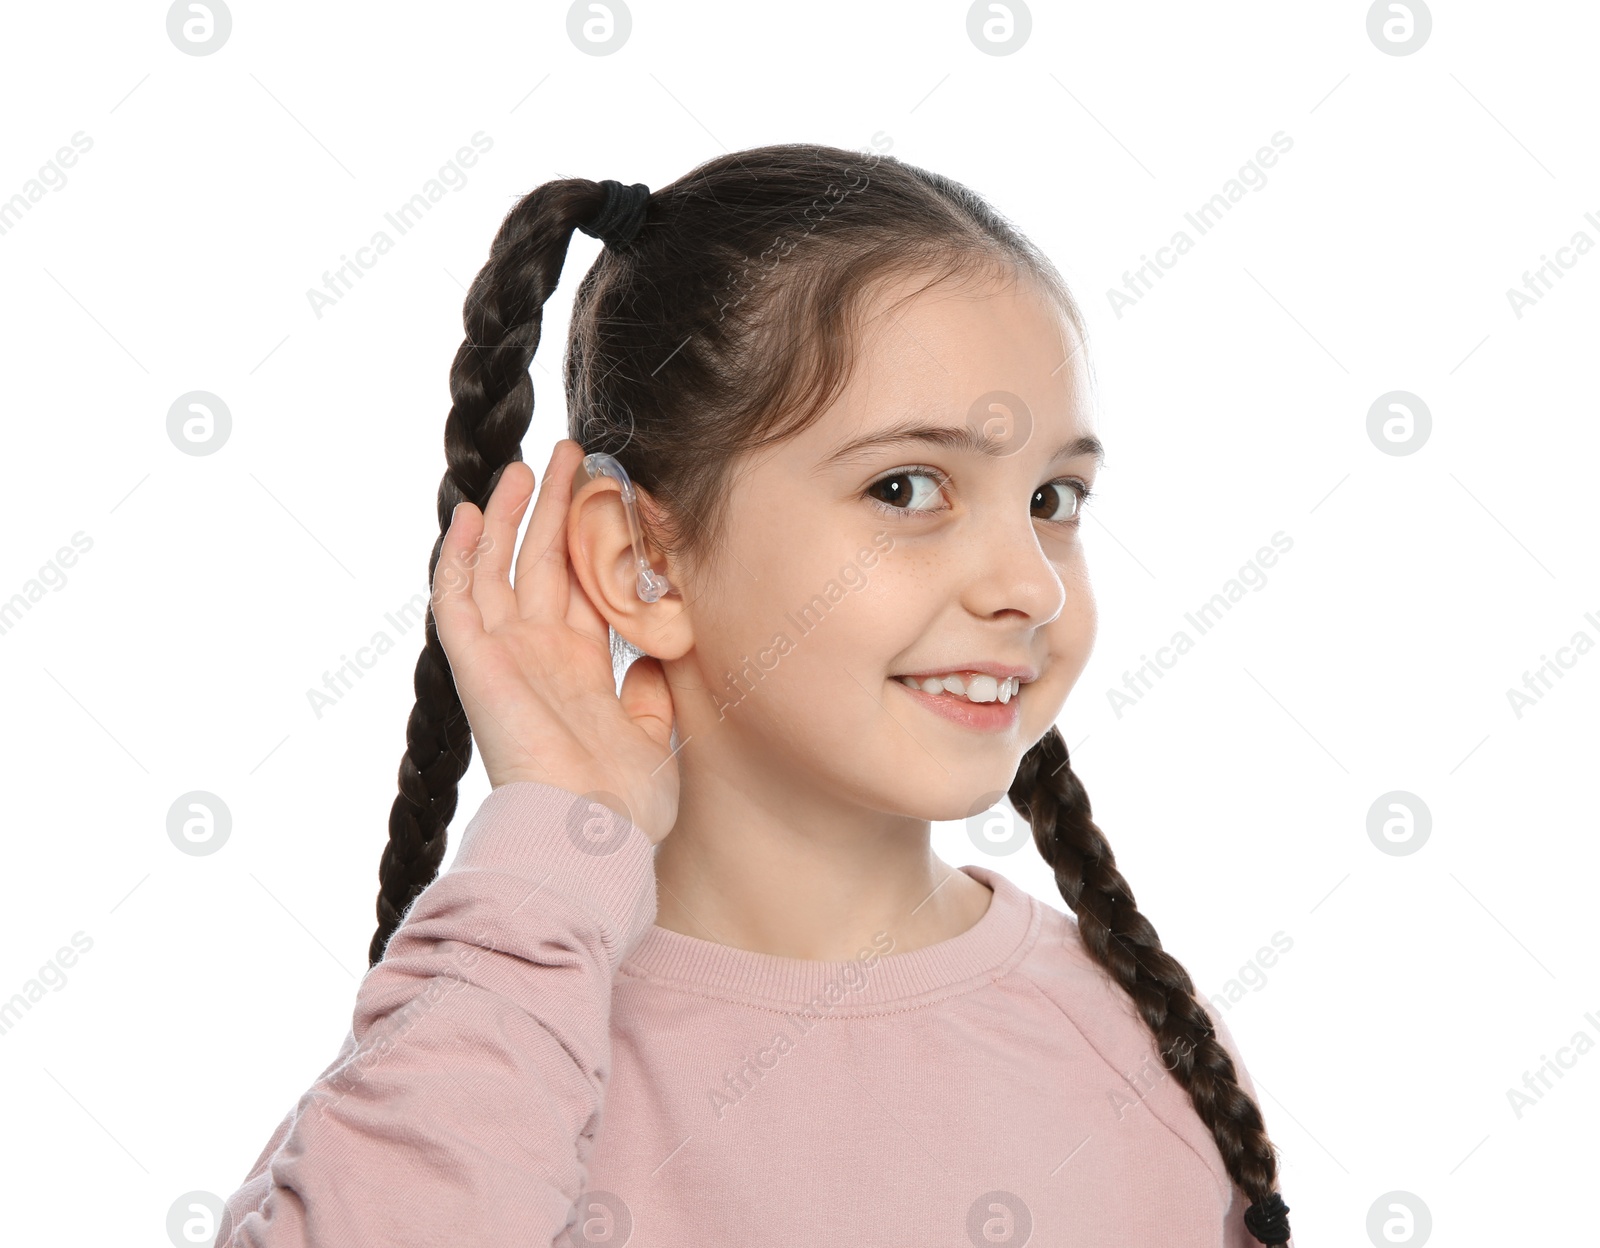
[730,322]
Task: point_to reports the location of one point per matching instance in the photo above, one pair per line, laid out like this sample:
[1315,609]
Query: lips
[990,716]
[973,686]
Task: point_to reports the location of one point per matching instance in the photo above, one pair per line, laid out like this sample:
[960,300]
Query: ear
[600,552]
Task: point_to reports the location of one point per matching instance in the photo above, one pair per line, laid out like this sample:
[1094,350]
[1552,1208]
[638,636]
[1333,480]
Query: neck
[792,879]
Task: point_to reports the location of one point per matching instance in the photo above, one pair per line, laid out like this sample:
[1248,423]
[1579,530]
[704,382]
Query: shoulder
[1096,1013]
[1060,965]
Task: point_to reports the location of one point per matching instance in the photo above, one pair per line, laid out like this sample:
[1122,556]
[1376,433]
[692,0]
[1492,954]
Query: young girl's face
[836,573]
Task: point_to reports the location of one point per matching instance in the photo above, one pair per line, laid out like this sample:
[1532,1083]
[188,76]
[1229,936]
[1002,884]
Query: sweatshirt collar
[875,978]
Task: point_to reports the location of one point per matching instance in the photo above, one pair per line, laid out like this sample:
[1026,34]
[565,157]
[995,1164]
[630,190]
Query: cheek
[1072,634]
[801,640]
[749,621]
[1082,617]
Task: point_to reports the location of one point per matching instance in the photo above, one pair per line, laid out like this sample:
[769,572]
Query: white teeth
[982,688]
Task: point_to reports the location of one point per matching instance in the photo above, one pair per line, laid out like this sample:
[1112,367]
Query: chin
[961,797]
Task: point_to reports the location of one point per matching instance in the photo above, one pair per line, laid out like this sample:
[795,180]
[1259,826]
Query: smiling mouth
[968,687]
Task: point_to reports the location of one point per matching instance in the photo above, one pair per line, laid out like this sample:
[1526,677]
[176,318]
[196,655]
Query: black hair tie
[621,214]
[1268,1220]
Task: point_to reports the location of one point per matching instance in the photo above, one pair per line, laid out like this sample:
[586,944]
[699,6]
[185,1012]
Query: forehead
[949,352]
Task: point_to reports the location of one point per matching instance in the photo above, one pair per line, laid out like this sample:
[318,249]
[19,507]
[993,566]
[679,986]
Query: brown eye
[1062,501]
[898,492]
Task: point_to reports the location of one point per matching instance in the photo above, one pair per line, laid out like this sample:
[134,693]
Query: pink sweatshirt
[531,1035]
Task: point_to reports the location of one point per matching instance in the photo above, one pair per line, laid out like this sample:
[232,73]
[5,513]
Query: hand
[532,664]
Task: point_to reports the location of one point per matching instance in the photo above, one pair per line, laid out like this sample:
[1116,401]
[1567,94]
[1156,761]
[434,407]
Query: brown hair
[725,324]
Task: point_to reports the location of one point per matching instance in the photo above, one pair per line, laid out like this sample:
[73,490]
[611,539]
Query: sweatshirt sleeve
[463,1104]
[1235,1233]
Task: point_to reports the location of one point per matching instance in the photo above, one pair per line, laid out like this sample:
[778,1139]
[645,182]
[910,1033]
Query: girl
[695,974]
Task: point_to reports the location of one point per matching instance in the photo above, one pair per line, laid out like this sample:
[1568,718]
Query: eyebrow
[955,438]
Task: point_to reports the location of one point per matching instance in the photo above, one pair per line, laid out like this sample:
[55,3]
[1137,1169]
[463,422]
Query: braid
[1053,800]
[491,408]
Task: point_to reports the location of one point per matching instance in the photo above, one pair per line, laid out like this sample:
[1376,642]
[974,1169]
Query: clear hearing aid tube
[652,585]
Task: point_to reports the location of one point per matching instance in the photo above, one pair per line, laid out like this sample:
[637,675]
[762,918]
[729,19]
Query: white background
[1234,398]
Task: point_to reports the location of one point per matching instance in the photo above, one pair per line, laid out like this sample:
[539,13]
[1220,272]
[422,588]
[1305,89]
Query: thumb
[647,699]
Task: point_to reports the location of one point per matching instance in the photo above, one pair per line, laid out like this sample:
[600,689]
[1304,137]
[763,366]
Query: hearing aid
[652,584]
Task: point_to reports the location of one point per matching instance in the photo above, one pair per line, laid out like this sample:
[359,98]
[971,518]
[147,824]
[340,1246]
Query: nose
[1005,568]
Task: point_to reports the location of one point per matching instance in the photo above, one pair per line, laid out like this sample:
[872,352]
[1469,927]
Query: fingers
[491,581]
[455,612]
[541,575]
